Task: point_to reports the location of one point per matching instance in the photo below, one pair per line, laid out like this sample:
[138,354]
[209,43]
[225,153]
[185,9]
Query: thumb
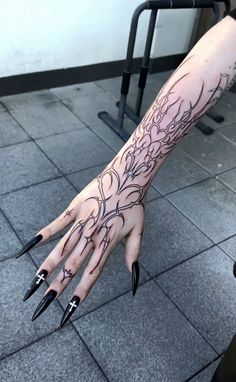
[132,252]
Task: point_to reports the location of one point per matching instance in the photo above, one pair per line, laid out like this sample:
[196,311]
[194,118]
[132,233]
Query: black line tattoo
[66,273]
[129,174]
[68,213]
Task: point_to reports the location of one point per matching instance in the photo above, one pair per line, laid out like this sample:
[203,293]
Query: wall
[54,34]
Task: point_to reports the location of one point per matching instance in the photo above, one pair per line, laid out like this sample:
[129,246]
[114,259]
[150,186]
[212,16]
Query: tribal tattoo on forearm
[130,173]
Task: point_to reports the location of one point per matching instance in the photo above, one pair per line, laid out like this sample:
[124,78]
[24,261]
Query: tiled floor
[183,316]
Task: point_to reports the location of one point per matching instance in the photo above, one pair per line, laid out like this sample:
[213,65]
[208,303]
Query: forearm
[195,86]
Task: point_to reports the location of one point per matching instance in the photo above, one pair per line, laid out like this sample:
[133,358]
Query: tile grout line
[184,187]
[91,353]
[31,185]
[203,368]
[64,175]
[186,217]
[186,317]
[86,125]
[179,263]
[35,142]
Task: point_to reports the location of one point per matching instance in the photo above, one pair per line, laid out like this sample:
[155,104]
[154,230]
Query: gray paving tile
[228,132]
[164,76]
[10,131]
[229,98]
[22,165]
[211,206]
[9,242]
[207,374]
[204,289]
[112,85]
[178,171]
[229,179]
[222,109]
[215,153]
[59,357]
[87,107]
[151,333]
[17,329]
[169,238]
[2,108]
[227,110]
[114,280]
[229,246]
[32,208]
[30,98]
[77,90]
[45,119]
[76,150]
[81,179]
[107,135]
[152,194]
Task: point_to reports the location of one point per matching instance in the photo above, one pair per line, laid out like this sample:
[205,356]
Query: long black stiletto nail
[37,281]
[29,245]
[234,270]
[135,276]
[46,300]
[74,302]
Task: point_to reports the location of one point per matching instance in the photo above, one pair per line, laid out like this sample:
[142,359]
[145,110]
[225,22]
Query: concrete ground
[183,315]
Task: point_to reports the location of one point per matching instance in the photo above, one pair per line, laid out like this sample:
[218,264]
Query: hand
[108,209]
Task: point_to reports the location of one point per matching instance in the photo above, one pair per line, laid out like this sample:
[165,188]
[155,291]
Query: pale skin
[112,205]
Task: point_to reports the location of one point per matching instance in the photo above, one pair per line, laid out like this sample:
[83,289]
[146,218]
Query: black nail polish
[37,281]
[29,245]
[135,276]
[46,300]
[74,302]
[234,270]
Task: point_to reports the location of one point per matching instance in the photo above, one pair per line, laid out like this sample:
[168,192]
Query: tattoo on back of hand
[129,175]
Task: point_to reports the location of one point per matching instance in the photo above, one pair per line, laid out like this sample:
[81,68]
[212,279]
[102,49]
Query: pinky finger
[51,229]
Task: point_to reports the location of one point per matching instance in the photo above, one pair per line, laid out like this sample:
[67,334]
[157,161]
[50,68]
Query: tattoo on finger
[66,274]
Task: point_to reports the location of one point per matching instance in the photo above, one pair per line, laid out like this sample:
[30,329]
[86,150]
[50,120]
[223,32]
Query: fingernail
[135,276]
[35,240]
[234,270]
[46,300]
[37,281]
[74,302]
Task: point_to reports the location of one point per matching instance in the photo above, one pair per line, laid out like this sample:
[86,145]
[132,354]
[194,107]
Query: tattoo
[66,274]
[68,213]
[127,178]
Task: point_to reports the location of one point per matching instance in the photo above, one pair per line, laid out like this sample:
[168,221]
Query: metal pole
[145,62]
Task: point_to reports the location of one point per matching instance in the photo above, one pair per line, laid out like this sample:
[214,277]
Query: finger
[63,278]
[132,252]
[60,251]
[88,279]
[62,221]
[63,248]
[71,266]
[55,226]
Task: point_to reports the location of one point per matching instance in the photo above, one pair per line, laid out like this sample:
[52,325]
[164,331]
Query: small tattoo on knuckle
[66,274]
[68,213]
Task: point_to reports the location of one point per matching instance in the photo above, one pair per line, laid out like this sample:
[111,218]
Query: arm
[196,85]
[111,206]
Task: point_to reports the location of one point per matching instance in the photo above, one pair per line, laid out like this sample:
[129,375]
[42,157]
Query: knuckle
[72,263]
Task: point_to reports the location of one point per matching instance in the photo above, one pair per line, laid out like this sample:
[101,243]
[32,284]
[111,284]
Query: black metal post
[154,5]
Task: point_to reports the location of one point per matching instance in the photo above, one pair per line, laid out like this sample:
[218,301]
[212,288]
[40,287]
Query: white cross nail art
[40,277]
[73,305]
